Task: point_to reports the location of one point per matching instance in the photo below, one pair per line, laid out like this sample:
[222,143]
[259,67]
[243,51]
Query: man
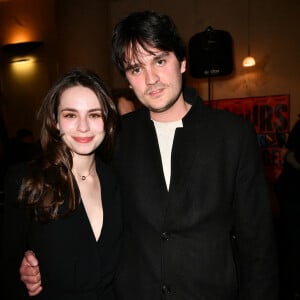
[198,223]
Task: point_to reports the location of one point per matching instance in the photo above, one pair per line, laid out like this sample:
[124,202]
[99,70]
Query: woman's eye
[95,116]
[69,116]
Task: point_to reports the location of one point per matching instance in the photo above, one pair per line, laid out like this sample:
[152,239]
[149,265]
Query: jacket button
[165,236]
[165,289]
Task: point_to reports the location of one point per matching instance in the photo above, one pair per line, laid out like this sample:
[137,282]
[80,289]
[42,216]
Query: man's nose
[152,76]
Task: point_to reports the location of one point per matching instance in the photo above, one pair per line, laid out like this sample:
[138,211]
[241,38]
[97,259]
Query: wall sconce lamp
[18,51]
[249,60]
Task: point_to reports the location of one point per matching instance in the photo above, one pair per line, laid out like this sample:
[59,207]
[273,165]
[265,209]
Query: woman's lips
[82,140]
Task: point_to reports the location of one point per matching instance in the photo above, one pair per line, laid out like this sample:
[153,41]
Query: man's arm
[254,225]
[30,274]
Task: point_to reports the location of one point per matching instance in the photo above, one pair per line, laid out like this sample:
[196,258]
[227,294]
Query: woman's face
[80,120]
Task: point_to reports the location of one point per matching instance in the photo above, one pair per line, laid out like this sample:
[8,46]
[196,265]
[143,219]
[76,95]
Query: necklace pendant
[83,177]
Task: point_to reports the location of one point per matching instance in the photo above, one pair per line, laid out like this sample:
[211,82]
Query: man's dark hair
[146,29]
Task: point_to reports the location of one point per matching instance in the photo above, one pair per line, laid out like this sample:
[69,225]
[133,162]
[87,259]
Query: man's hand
[30,273]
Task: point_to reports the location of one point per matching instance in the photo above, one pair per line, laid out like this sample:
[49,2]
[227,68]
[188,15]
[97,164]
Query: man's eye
[161,62]
[136,70]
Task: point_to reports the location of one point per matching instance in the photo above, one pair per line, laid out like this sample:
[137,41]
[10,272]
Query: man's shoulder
[141,114]
[232,119]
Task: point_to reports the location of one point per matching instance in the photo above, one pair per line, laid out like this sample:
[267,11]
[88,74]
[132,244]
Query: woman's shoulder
[19,170]
[15,174]
[13,181]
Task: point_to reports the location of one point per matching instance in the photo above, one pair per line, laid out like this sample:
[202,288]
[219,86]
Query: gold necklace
[84,177]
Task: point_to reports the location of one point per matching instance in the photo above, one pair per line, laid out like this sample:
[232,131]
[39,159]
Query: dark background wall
[77,33]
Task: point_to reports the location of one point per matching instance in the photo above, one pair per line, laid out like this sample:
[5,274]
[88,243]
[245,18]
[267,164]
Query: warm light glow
[249,61]
[23,67]
[17,36]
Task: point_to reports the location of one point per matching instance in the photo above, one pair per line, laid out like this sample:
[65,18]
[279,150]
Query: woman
[65,206]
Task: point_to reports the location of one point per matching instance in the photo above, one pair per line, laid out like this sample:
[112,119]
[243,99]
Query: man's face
[156,78]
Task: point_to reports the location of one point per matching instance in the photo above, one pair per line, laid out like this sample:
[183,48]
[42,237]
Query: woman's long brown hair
[49,190]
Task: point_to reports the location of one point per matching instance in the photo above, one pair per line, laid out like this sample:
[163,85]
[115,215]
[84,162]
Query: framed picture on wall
[270,117]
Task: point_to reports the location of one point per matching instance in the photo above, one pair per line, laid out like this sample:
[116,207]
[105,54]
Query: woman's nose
[83,125]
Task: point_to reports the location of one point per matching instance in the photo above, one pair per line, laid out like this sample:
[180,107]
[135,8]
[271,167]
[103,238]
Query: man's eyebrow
[161,55]
[131,67]
[156,56]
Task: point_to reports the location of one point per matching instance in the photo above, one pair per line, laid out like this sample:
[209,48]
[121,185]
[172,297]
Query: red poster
[270,117]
